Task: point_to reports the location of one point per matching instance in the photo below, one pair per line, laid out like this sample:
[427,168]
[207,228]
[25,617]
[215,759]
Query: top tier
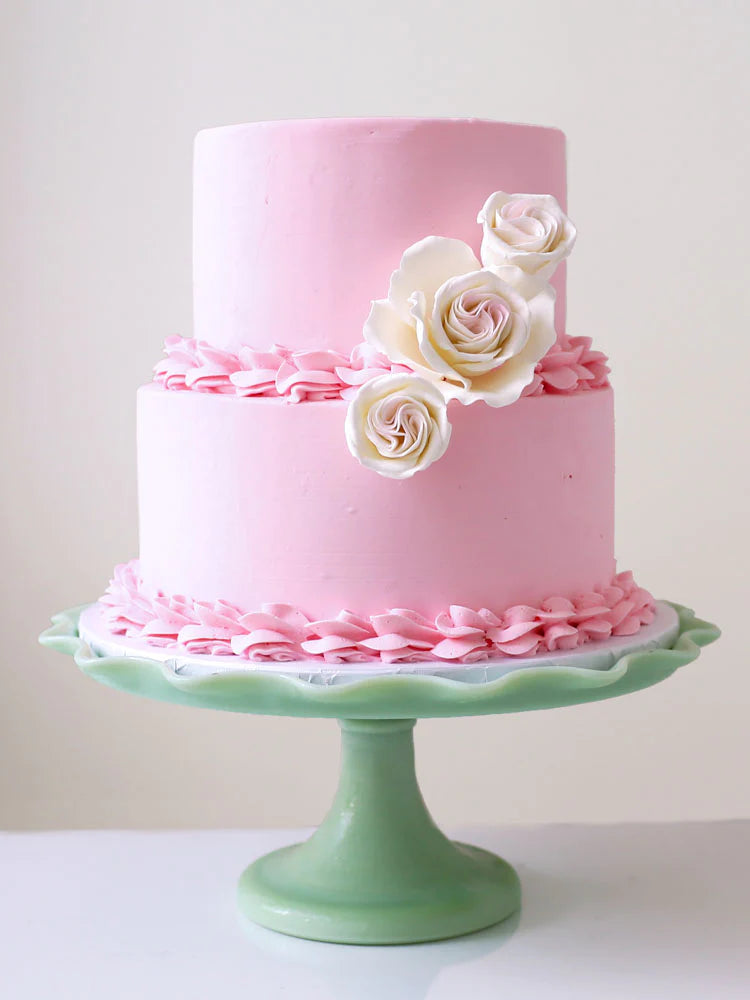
[297,225]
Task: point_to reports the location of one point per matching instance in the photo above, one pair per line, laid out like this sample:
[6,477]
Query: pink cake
[381,444]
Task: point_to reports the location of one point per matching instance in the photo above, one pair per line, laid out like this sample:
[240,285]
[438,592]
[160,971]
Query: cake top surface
[382,122]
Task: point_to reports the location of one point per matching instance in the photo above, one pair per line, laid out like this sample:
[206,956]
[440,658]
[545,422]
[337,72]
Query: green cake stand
[378,870]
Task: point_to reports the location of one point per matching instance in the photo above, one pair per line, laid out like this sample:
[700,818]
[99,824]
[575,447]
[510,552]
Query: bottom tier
[258,501]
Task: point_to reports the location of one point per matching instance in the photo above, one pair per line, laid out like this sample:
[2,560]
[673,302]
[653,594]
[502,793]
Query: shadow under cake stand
[378,870]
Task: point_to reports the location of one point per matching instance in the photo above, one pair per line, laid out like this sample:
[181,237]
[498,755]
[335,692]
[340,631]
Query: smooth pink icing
[284,633]
[257,501]
[297,225]
[570,366]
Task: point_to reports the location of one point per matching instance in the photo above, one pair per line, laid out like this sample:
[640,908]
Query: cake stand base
[378,870]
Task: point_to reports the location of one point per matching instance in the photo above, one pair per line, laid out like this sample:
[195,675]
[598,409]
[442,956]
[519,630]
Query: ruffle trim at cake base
[281,633]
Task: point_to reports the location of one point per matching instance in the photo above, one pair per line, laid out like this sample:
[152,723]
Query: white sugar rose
[397,424]
[528,231]
[460,324]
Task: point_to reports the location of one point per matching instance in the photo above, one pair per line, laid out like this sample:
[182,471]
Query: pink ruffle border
[279,632]
[570,366]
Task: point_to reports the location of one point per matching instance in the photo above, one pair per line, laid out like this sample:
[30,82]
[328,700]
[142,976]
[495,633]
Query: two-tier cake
[380,445]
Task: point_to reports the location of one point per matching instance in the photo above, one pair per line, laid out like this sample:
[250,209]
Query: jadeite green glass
[378,870]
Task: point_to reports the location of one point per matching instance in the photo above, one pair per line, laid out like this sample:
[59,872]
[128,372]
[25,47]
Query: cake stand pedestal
[378,870]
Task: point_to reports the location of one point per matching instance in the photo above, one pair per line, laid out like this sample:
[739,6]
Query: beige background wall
[100,102]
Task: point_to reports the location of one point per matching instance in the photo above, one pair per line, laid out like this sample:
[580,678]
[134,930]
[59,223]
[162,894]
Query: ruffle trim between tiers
[570,366]
[282,633]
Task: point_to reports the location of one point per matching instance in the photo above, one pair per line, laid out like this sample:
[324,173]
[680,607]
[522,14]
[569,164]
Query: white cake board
[600,655]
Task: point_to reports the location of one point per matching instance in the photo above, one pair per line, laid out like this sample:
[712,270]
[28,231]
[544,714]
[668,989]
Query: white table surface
[639,911]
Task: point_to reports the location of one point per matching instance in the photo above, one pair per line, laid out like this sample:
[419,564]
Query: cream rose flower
[466,326]
[397,424]
[528,231]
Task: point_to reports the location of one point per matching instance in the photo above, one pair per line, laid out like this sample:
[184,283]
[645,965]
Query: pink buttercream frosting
[280,632]
[570,366]
[295,375]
